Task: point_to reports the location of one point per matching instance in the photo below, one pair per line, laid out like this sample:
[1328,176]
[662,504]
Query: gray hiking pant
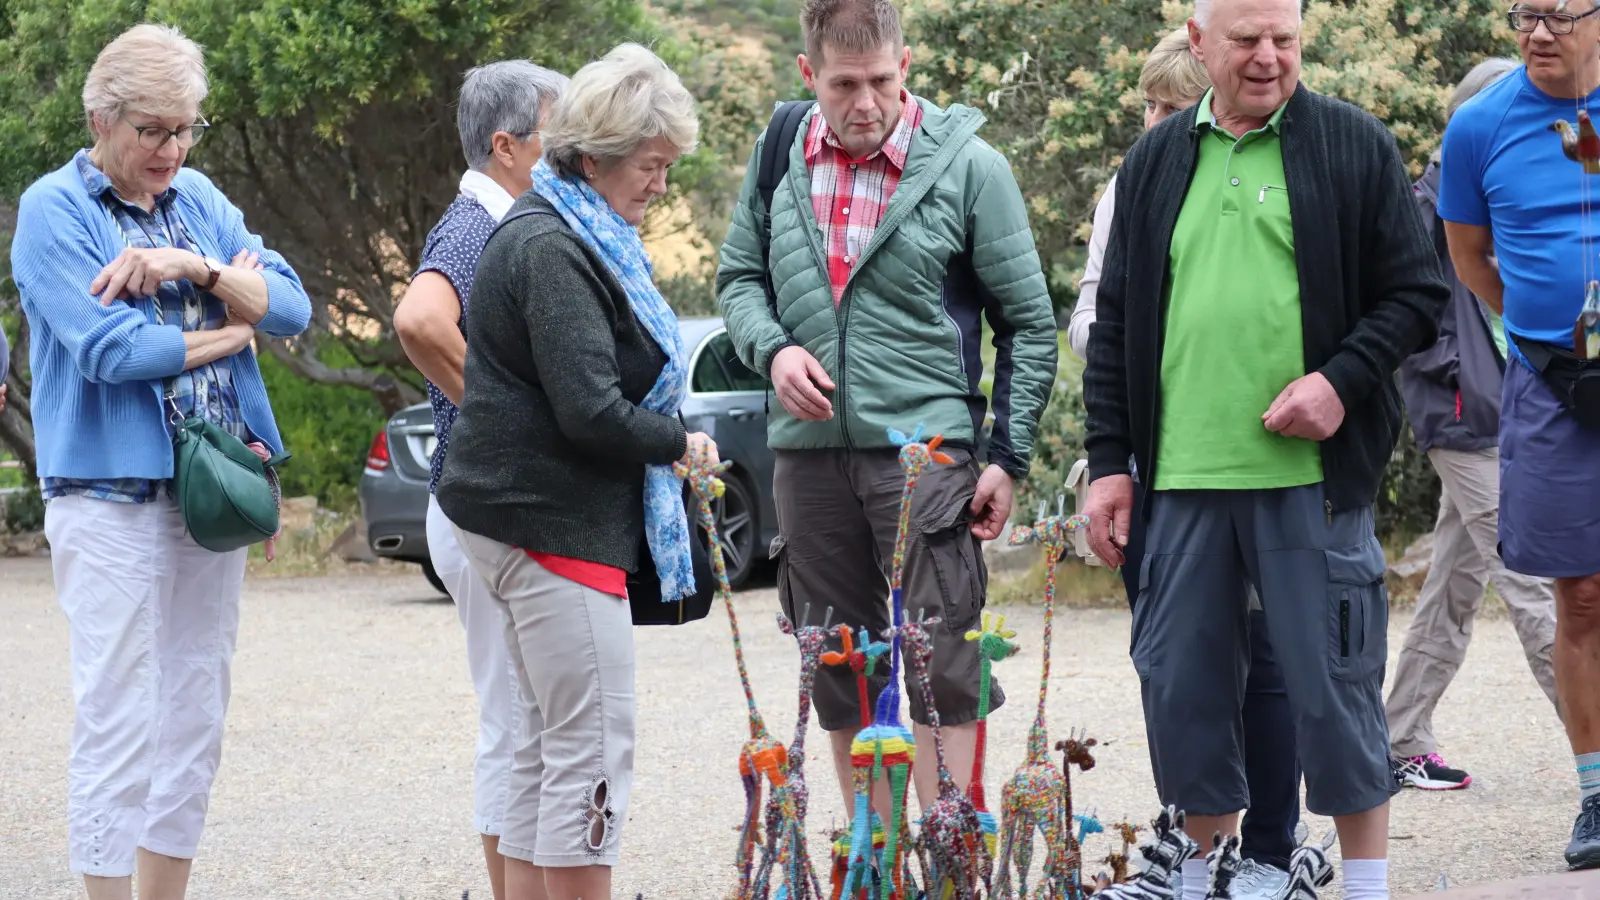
[1319,576]
[1464,558]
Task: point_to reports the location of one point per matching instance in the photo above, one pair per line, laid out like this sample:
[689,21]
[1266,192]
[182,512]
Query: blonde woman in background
[1173,80]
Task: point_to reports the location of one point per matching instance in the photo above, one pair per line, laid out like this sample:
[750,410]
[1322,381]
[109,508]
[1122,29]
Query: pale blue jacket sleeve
[53,260]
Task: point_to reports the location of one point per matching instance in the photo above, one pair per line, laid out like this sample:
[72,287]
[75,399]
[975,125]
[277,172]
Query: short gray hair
[503,96]
[1482,75]
[1202,11]
[152,69]
[614,105]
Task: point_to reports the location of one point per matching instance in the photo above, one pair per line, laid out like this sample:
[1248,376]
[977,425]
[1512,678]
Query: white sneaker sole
[1429,784]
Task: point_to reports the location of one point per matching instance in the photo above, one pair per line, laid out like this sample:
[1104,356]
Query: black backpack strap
[772,168]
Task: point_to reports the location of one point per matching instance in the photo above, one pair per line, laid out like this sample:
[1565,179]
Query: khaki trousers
[1465,556]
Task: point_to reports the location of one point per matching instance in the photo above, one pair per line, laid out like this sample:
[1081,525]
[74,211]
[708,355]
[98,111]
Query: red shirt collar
[895,149]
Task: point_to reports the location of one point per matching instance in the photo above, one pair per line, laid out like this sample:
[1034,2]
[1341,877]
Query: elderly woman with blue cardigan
[136,320]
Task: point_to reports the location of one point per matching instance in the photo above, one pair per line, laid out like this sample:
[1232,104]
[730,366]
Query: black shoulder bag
[1573,379]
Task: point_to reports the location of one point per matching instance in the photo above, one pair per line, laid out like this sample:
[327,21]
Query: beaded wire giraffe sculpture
[1032,800]
[762,757]
[861,660]
[1128,832]
[994,644]
[950,831]
[1075,751]
[887,744]
[786,829]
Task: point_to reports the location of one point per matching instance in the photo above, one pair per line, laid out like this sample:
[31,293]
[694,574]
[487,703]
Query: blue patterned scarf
[666,524]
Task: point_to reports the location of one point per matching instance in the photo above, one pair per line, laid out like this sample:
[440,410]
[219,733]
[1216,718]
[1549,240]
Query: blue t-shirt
[452,250]
[1503,168]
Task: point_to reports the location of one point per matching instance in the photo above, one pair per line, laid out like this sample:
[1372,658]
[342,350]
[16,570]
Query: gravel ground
[348,760]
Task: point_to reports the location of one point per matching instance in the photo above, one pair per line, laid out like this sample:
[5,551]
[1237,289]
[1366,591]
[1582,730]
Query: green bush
[327,429]
[24,510]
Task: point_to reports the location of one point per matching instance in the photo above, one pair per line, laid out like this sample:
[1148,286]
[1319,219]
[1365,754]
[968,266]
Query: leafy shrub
[24,510]
[327,429]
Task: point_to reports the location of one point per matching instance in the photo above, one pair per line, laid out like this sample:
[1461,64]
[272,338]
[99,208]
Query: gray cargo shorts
[1319,576]
[838,512]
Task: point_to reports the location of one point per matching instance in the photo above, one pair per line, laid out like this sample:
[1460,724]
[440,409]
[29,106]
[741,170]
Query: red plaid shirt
[850,195]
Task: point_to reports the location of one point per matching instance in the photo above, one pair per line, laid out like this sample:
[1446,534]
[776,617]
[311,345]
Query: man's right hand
[1110,512]
[797,377]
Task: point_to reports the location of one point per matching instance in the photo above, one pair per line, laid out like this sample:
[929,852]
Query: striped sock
[1589,774]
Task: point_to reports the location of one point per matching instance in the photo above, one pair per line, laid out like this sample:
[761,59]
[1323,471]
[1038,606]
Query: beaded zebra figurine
[762,758]
[1309,867]
[1164,855]
[1224,861]
[1032,800]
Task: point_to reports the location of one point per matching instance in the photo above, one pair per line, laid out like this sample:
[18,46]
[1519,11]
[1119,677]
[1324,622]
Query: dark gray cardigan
[549,451]
[1370,288]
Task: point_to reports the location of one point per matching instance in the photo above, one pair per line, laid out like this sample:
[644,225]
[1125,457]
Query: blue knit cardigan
[98,370]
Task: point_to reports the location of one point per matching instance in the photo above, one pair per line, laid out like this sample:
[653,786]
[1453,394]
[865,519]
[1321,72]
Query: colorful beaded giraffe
[786,834]
[887,745]
[950,831]
[994,644]
[1118,860]
[1032,800]
[861,660]
[762,757]
[1074,750]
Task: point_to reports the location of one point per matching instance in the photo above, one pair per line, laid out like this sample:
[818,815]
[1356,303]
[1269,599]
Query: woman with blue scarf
[559,479]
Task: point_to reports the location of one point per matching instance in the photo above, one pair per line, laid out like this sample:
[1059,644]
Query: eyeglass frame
[196,129]
[1547,18]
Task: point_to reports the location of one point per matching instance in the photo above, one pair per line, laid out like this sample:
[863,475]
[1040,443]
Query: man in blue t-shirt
[503,106]
[1516,211]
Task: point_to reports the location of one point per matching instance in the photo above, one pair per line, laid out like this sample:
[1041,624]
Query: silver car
[726,401]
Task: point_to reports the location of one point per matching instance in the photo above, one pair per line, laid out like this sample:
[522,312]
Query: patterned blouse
[205,390]
[452,250]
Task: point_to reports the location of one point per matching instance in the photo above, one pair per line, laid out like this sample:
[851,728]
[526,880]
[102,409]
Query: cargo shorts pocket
[778,551]
[957,565]
[1358,611]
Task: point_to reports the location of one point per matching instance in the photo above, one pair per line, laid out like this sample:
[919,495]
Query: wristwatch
[215,268]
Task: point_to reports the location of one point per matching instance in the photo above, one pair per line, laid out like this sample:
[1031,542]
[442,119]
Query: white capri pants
[573,768]
[153,618]
[494,678]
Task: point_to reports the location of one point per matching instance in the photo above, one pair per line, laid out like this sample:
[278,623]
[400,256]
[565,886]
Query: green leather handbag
[226,493]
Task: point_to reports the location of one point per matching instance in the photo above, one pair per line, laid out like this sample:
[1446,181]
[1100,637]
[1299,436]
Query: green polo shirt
[1232,336]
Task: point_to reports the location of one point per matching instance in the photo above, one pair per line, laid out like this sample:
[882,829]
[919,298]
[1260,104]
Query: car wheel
[736,529]
[432,574]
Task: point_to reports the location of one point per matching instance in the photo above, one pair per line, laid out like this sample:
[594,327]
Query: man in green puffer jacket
[893,231]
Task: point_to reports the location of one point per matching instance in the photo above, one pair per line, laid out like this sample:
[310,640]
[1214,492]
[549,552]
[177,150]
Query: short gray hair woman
[141,282]
[558,481]
[502,108]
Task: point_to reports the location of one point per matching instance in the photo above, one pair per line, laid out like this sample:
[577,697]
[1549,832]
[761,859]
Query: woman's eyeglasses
[154,137]
[1557,23]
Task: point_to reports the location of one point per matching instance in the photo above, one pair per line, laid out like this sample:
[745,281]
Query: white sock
[1366,879]
[1196,878]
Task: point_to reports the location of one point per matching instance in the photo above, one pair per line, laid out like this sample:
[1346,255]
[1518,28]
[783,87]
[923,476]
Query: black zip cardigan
[1371,292]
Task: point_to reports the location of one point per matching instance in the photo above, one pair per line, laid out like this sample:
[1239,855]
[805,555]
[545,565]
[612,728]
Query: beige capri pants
[572,771]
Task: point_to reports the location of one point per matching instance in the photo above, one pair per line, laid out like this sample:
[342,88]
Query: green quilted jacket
[902,347]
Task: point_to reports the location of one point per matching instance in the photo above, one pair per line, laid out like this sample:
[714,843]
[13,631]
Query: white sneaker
[1259,881]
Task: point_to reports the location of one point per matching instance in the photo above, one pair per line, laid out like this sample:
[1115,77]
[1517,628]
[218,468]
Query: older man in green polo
[1266,273]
